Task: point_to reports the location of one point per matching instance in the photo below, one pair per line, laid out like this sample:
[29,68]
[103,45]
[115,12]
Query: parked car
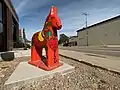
[66,44]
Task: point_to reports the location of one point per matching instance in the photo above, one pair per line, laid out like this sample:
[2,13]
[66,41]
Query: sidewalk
[102,62]
[22,53]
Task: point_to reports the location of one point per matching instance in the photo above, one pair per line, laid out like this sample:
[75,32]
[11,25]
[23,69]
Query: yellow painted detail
[40,36]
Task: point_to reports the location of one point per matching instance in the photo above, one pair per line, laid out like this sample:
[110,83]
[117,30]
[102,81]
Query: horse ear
[52,10]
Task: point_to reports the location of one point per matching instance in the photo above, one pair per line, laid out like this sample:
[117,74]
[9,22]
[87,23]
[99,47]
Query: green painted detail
[49,33]
[49,23]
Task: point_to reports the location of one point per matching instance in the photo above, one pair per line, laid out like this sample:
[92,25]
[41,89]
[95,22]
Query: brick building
[9,25]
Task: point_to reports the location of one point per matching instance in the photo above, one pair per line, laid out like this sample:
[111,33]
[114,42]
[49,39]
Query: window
[13,27]
[1,24]
[1,28]
[0,11]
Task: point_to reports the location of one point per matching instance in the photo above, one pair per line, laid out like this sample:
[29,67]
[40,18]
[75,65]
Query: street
[113,51]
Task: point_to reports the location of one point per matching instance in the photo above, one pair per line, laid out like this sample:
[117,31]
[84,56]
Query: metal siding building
[73,41]
[9,25]
[103,33]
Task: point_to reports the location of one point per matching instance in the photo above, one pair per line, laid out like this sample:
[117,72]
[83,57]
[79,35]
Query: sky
[32,13]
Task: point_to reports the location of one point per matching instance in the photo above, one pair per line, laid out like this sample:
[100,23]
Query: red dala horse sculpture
[48,39]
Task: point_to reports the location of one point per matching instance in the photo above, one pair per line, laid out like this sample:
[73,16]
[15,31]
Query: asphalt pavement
[106,62]
[112,51]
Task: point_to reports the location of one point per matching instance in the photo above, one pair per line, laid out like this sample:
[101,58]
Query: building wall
[82,39]
[107,33]
[3,39]
[73,41]
[10,32]
[11,9]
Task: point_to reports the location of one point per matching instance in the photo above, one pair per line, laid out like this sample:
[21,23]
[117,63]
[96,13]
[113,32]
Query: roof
[108,20]
[73,36]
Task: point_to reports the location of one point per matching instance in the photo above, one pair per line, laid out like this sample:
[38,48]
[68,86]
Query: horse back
[36,41]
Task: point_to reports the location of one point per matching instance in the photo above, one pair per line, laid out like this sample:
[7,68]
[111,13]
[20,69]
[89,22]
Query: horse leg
[39,52]
[35,54]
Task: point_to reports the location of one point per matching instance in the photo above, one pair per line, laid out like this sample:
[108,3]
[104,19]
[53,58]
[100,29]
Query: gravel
[91,78]
[84,77]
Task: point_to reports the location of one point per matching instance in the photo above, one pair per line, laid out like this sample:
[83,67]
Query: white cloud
[20,7]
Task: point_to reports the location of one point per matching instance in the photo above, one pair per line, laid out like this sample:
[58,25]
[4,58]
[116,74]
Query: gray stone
[7,56]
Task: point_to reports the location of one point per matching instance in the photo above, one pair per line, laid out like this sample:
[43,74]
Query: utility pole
[86,26]
[86,14]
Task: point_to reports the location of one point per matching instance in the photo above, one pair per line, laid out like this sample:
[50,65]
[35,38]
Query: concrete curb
[92,65]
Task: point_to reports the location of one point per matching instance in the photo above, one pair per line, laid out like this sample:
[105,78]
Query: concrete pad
[25,73]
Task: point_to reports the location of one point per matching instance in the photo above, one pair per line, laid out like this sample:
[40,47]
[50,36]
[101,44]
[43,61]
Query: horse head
[53,20]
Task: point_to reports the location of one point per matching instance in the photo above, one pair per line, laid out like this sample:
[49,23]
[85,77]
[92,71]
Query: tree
[24,36]
[63,39]
[60,41]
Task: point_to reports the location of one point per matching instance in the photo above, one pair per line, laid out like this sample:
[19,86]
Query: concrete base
[43,66]
[26,73]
